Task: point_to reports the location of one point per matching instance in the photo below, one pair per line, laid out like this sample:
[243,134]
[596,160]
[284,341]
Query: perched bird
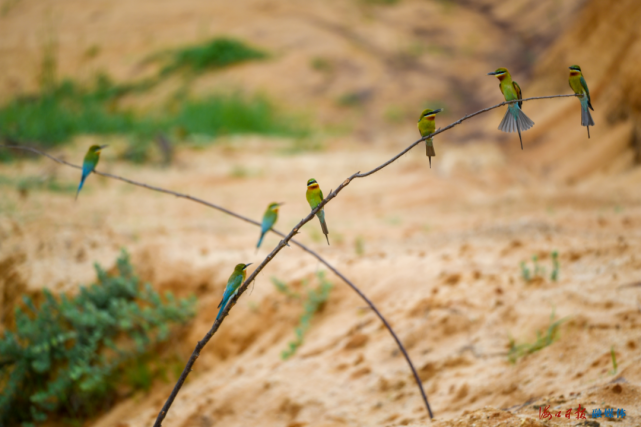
[427,126]
[89,164]
[269,219]
[233,283]
[580,87]
[314,197]
[515,119]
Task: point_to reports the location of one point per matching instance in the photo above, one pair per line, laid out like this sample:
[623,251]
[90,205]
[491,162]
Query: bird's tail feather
[515,120]
[586,117]
[321,217]
[260,241]
[222,305]
[429,148]
[82,182]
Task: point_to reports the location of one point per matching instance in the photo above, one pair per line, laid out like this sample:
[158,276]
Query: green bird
[515,119]
[427,126]
[580,87]
[269,219]
[89,164]
[314,197]
[233,283]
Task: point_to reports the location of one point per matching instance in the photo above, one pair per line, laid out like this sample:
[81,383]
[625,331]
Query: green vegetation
[312,302]
[538,272]
[68,355]
[615,366]
[213,54]
[65,109]
[516,351]
[359,246]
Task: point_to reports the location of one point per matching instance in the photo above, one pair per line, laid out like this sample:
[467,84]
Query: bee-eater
[515,119]
[269,219]
[233,283]
[427,126]
[314,197]
[89,164]
[580,87]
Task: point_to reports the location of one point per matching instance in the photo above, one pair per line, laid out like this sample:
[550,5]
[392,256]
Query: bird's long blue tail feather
[82,182]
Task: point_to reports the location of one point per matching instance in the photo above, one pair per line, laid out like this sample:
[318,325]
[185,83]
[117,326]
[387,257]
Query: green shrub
[313,302]
[67,355]
[216,53]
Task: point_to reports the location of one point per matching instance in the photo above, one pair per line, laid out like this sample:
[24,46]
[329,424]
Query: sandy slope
[442,253]
[442,247]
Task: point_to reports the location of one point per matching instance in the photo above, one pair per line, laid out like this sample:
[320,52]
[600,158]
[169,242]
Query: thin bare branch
[287,238]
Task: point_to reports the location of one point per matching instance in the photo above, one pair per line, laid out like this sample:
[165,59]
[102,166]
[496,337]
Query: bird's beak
[437,111]
[281,203]
[247,265]
[493,73]
[103,146]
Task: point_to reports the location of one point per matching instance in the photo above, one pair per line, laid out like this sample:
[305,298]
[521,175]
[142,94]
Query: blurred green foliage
[312,301]
[217,53]
[65,109]
[67,355]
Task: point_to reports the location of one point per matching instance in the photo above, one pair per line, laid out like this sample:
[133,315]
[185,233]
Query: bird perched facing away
[427,126]
[89,164]
[514,120]
[580,87]
[314,197]
[269,219]
[233,283]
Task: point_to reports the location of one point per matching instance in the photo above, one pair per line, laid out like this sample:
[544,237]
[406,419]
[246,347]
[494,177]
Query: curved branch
[287,238]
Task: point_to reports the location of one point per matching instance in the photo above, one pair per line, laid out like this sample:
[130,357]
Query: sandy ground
[442,247]
[441,258]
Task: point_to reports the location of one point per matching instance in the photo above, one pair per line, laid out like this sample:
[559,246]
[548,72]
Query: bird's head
[96,148]
[575,69]
[241,267]
[429,114]
[500,73]
[311,183]
[274,206]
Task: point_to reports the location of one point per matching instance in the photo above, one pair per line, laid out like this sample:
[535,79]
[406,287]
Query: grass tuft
[312,302]
[516,351]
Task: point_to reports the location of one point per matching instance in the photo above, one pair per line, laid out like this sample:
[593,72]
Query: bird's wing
[517,88]
[587,91]
[232,285]
[320,194]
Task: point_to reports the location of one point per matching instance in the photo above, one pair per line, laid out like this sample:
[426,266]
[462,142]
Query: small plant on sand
[68,355]
[516,351]
[312,302]
[615,366]
[538,272]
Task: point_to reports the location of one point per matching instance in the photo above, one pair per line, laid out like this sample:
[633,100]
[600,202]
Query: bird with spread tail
[269,219]
[89,164]
[427,126]
[233,283]
[314,197]
[515,119]
[580,87]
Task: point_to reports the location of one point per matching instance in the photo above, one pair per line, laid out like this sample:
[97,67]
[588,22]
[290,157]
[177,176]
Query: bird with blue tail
[427,126]
[515,119]
[580,87]
[233,283]
[89,164]
[269,219]
[314,196]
